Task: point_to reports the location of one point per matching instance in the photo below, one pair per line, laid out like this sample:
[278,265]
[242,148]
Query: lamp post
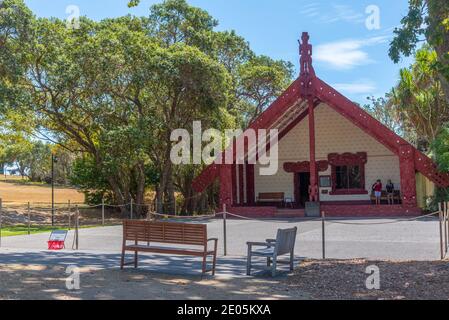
[54,159]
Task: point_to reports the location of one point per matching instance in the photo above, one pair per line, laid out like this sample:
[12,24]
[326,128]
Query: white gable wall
[334,134]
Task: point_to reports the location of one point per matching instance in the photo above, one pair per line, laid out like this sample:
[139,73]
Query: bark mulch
[346,279]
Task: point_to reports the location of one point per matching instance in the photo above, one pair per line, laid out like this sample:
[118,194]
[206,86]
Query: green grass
[20,230]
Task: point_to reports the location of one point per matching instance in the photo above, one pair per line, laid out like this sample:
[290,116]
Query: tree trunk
[170,190]
[140,192]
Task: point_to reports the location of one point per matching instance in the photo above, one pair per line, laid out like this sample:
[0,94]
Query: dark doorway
[303,188]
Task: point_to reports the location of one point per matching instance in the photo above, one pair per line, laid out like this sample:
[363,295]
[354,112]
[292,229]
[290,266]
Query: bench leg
[135,259]
[214,263]
[122,261]
[292,259]
[204,263]
[268,261]
[248,262]
[273,267]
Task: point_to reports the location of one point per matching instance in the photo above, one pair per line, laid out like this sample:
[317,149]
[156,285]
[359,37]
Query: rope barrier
[381,223]
[167,216]
[261,220]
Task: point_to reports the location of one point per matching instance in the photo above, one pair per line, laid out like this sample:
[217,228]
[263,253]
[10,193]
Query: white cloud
[359,87]
[346,54]
[331,13]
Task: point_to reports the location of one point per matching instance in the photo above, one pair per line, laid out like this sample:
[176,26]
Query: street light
[54,160]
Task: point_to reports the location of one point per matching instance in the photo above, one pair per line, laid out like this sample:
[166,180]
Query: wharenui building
[330,151]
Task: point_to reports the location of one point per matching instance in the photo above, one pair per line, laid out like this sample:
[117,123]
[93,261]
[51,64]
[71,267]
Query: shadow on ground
[43,276]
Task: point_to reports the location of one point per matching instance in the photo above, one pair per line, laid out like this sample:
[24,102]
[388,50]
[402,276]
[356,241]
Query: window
[348,173]
[348,177]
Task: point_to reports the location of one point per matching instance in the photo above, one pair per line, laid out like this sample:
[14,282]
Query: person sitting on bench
[390,192]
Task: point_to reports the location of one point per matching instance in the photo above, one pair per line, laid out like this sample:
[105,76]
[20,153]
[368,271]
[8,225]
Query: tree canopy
[111,92]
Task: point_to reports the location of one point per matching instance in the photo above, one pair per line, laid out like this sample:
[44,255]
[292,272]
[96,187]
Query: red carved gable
[309,86]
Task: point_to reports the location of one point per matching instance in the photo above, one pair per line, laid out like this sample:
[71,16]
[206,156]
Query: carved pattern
[264,121]
[408,180]
[377,130]
[304,166]
[348,159]
[308,85]
[307,75]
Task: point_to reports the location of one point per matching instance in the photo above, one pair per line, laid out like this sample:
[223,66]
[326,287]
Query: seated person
[390,192]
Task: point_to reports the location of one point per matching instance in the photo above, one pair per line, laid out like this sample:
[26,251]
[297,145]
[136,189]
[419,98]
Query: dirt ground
[42,283]
[13,191]
[332,279]
[346,279]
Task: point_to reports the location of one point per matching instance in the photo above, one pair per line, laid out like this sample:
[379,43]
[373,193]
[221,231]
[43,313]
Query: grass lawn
[21,230]
[14,190]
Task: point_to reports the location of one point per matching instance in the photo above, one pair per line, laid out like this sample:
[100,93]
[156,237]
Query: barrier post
[440,215]
[29,218]
[70,213]
[445,226]
[447,229]
[131,209]
[102,211]
[224,231]
[77,213]
[323,234]
[1,214]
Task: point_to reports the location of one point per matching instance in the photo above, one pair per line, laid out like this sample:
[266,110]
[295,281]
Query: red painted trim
[313,169]
[241,185]
[225,186]
[304,166]
[295,122]
[378,131]
[250,184]
[408,178]
[296,189]
[234,184]
[348,192]
[308,85]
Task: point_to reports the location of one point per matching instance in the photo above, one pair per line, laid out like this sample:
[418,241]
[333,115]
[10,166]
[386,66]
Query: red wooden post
[241,185]
[226,185]
[408,178]
[313,169]
[250,186]
[234,184]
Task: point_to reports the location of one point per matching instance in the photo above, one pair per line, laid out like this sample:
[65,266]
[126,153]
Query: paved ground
[100,247]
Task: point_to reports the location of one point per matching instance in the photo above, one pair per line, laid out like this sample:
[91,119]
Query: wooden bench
[146,236]
[383,197]
[271,197]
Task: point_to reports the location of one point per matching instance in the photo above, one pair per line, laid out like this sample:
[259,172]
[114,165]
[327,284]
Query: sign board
[58,235]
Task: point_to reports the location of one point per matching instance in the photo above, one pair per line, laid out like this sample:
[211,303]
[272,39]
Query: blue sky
[347,54]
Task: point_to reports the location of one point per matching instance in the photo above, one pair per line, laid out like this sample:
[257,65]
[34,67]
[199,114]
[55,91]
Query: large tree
[111,92]
[427,20]
[418,100]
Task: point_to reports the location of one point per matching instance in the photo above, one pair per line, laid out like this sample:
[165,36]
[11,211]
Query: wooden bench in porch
[178,239]
[271,197]
[384,196]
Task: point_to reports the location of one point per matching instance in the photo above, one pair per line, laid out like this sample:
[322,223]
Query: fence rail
[76,215]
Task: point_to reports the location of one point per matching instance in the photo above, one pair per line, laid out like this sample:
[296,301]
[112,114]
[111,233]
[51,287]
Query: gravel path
[415,240]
